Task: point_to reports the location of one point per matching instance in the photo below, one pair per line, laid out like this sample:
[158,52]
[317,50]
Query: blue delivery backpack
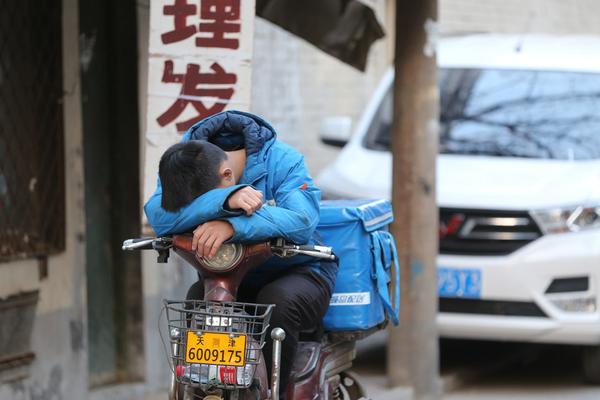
[363,293]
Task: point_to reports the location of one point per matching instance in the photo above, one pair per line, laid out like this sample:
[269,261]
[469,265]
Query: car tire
[590,362]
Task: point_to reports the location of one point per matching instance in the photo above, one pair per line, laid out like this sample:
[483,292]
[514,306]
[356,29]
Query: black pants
[301,297]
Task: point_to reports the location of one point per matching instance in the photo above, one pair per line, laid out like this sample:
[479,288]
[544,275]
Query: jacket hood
[232,129]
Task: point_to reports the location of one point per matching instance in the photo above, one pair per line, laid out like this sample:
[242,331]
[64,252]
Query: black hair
[188,170]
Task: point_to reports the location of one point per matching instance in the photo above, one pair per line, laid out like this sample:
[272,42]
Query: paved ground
[482,371]
[489,371]
[542,373]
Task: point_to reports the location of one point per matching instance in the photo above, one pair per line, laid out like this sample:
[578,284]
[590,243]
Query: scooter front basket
[214,344]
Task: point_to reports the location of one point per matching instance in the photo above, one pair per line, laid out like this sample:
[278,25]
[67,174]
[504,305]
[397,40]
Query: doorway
[108,46]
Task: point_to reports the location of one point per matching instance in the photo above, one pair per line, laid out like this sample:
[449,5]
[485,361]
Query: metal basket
[202,319]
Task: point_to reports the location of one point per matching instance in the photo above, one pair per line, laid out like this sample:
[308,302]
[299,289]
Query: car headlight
[567,219]
[225,258]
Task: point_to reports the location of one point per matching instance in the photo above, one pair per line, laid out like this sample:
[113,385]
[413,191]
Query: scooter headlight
[225,258]
[568,219]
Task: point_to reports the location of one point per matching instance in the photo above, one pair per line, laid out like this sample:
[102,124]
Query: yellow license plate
[215,348]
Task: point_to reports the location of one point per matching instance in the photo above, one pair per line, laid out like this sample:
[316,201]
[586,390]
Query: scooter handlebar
[279,247]
[147,243]
[283,249]
[138,244]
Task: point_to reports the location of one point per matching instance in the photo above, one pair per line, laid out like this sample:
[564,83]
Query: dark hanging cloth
[345,29]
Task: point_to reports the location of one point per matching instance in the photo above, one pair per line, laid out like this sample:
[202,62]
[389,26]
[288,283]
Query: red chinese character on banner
[191,94]
[180,10]
[220,13]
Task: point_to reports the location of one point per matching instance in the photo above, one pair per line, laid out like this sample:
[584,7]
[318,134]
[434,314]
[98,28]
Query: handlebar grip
[144,243]
[320,249]
[142,239]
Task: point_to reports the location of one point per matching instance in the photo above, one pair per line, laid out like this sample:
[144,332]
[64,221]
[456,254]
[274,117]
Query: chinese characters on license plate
[215,348]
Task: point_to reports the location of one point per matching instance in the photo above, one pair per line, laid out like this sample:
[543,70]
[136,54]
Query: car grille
[490,307]
[485,232]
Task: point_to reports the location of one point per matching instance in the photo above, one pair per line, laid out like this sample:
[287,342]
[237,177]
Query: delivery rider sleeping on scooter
[230,179]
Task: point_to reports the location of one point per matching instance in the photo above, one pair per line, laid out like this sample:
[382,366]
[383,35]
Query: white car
[518,186]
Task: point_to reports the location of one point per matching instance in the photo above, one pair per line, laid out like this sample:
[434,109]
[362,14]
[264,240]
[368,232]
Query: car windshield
[511,113]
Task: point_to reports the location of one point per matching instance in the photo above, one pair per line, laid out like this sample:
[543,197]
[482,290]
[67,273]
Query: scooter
[216,343]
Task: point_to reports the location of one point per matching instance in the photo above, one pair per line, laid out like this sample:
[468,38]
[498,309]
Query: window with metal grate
[32,193]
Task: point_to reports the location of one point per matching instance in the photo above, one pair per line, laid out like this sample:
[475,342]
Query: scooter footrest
[305,362]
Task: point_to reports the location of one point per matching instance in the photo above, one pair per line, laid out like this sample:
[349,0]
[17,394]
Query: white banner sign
[199,64]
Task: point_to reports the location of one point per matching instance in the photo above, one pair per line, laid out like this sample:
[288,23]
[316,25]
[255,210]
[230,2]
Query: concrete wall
[515,16]
[59,370]
[295,85]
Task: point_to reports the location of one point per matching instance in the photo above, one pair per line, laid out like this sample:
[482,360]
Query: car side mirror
[336,131]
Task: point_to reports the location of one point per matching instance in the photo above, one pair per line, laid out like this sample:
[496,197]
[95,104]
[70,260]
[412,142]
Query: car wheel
[590,361]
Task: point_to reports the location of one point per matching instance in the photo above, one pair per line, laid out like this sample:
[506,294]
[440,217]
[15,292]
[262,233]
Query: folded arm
[295,216]
[209,206]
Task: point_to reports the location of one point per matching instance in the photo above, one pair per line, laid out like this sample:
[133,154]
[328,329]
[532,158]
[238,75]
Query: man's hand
[209,236]
[247,199]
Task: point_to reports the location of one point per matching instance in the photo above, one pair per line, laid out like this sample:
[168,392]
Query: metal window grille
[32,198]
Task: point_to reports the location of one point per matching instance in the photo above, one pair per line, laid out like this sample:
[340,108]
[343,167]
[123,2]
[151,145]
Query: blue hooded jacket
[291,200]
